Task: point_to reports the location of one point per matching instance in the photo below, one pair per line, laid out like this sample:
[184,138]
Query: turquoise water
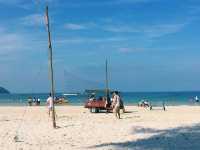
[130,98]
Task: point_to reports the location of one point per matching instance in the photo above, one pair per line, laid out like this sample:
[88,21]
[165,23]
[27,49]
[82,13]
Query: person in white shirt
[30,101]
[50,104]
[116,103]
[196,99]
[92,97]
[38,101]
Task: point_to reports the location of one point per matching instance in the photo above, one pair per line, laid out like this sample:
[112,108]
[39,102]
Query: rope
[16,137]
[36,77]
[39,9]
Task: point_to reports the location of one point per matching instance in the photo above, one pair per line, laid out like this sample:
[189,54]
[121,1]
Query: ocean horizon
[172,98]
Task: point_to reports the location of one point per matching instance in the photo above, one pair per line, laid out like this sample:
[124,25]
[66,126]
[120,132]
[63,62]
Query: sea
[129,98]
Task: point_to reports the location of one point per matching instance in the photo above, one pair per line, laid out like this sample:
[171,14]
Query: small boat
[96,105]
[61,101]
[70,94]
[103,102]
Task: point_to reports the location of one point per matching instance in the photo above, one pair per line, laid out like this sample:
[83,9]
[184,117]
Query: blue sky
[151,45]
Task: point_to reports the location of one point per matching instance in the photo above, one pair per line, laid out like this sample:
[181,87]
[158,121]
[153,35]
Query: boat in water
[103,102]
[70,94]
[61,101]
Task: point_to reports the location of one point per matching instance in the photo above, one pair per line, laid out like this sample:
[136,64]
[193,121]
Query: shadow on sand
[180,138]
[128,112]
[110,112]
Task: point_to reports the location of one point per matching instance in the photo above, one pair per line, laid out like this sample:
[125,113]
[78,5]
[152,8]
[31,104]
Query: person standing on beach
[50,104]
[196,99]
[122,104]
[116,104]
[30,101]
[35,101]
[38,101]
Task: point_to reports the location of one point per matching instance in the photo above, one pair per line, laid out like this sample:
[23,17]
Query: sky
[150,45]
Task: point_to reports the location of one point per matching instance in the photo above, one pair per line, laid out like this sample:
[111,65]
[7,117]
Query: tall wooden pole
[107,90]
[51,76]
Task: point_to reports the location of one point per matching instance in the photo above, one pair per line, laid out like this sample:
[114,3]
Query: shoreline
[82,104]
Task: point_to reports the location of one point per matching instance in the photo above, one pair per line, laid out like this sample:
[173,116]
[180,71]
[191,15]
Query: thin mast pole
[51,76]
[107,90]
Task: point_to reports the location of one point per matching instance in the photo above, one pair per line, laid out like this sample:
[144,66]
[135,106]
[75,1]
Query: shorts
[50,108]
[117,109]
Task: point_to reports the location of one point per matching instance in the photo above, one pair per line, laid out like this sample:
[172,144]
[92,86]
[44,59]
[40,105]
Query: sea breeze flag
[46,19]
[47,25]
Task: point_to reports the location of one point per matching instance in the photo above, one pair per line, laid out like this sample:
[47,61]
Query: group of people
[195,99]
[144,103]
[93,98]
[33,101]
[115,102]
[50,101]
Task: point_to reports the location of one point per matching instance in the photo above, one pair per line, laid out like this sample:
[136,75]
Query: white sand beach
[139,128]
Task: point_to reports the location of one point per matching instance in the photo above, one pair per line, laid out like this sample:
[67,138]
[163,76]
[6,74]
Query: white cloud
[150,31]
[2,29]
[163,29]
[129,50]
[119,2]
[79,40]
[72,26]
[9,2]
[121,28]
[9,41]
[17,2]
[105,3]
[16,41]
[125,50]
[80,26]
[33,20]
[131,1]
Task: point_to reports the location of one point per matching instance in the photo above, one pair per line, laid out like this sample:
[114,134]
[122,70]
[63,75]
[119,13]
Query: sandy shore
[139,128]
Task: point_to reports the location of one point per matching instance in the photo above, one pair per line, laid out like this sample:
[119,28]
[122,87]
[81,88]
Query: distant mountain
[4,91]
